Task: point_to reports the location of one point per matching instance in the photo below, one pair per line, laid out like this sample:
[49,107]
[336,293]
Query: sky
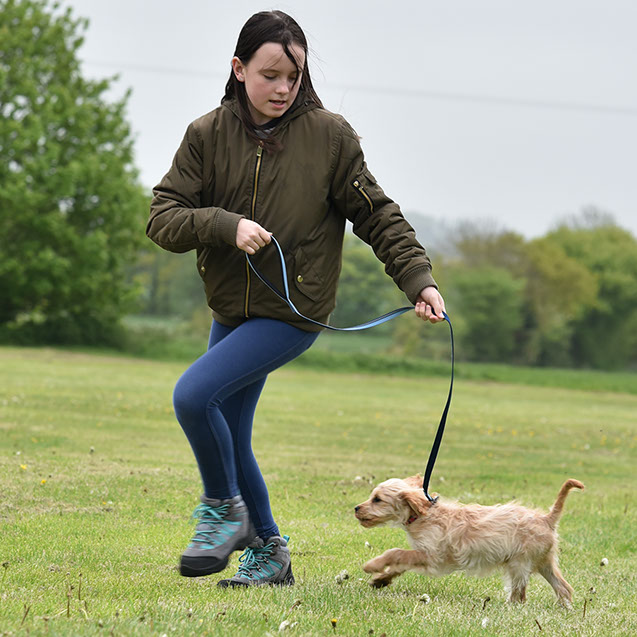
[512,114]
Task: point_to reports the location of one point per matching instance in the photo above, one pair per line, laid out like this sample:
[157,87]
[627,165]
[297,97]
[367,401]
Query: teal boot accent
[263,563]
[224,526]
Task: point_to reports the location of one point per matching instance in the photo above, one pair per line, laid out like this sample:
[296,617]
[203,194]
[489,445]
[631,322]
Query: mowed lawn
[97,483]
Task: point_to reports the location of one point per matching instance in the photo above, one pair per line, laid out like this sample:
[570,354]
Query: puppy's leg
[518,574]
[552,574]
[393,563]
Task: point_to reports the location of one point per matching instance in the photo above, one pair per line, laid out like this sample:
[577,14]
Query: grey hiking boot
[224,526]
[263,563]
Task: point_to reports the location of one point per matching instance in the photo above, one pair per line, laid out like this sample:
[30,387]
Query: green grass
[97,483]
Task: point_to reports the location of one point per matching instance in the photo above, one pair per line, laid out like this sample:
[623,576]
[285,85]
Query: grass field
[97,483]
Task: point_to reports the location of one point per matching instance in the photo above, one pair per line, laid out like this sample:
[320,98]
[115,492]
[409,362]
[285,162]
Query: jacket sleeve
[178,222]
[377,219]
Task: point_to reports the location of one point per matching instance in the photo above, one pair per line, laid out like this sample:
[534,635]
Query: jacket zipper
[357,184]
[257,170]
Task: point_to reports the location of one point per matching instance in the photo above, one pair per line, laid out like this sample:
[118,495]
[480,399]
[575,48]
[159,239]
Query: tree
[489,302]
[364,290]
[604,335]
[71,208]
[559,290]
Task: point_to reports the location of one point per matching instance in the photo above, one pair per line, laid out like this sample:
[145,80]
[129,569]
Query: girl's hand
[251,236]
[430,305]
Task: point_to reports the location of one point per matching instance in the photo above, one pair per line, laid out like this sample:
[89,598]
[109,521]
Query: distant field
[97,483]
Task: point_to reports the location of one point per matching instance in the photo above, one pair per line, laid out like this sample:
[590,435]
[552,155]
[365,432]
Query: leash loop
[285,297]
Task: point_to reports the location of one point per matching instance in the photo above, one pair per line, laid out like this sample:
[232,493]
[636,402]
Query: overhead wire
[602,109]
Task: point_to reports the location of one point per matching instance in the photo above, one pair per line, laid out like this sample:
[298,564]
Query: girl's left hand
[430,305]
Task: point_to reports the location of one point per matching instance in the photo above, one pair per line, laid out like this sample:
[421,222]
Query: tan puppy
[447,537]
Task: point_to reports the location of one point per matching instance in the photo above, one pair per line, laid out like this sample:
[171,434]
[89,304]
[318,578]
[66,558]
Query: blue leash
[285,297]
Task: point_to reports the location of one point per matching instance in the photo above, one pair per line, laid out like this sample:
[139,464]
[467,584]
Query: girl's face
[271,80]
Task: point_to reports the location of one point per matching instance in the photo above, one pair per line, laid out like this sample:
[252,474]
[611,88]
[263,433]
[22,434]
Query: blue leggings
[215,401]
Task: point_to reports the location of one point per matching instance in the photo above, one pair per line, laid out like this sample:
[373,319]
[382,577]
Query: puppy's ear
[414,482]
[416,501]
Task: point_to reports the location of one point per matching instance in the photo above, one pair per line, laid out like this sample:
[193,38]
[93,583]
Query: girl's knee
[186,403]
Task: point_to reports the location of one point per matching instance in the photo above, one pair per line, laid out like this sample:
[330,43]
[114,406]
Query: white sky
[518,112]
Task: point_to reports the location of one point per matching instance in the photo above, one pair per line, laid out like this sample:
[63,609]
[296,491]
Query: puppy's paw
[380,581]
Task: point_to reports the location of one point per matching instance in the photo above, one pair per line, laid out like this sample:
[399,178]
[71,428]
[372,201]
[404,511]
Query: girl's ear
[238,68]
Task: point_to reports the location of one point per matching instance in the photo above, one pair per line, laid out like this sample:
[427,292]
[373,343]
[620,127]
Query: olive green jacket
[303,194]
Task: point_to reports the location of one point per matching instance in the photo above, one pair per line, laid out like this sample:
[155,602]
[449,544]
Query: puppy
[447,537]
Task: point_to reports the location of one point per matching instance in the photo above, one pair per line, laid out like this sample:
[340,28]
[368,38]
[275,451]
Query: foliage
[566,299]
[365,291]
[481,295]
[71,208]
[604,333]
[98,483]
[169,283]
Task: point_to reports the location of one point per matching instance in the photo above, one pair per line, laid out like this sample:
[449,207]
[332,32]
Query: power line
[600,109]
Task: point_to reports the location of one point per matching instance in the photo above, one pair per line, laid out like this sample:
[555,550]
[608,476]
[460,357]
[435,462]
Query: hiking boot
[224,526]
[262,564]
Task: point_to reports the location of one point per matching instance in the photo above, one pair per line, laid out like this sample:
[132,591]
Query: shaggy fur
[447,537]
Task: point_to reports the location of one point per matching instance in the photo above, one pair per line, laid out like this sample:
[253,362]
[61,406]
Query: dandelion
[23,467]
[341,577]
[333,622]
[43,481]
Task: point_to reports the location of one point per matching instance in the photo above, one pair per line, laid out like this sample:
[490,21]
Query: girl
[269,160]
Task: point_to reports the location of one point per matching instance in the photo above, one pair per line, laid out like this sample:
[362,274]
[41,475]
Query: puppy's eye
[376,499]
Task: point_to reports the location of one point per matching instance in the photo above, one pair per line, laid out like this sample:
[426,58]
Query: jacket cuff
[224,227]
[415,281]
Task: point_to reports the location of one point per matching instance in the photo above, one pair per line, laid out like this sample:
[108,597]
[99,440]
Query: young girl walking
[270,160]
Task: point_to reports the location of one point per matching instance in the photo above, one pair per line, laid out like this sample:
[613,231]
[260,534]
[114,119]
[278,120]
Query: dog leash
[285,297]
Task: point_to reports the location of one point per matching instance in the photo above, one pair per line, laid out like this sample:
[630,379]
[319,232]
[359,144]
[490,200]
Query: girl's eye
[269,77]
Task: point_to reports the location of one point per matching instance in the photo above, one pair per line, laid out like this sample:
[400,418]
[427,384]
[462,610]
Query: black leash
[285,297]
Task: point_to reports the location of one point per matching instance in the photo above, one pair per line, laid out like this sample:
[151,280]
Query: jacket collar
[302,104]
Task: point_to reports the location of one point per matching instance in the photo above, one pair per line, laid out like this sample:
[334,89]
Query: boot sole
[200,566]
[288,580]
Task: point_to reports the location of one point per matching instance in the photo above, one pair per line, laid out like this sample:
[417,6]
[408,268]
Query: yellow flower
[43,482]
[23,467]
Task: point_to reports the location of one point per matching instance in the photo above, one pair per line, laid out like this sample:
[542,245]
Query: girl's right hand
[251,236]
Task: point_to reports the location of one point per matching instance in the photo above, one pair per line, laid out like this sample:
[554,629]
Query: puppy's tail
[556,510]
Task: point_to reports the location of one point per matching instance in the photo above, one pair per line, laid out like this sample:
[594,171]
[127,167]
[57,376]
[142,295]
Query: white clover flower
[341,577]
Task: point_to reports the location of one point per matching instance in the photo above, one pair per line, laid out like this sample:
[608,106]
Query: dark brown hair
[262,27]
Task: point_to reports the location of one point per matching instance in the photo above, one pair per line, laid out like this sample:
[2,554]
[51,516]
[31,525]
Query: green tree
[71,208]
[489,315]
[604,335]
[364,290]
[559,290]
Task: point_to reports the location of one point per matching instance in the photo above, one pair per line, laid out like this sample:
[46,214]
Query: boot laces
[214,517]
[252,560]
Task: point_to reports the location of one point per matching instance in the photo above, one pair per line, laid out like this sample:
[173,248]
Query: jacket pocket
[306,278]
[202,256]
[358,185]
